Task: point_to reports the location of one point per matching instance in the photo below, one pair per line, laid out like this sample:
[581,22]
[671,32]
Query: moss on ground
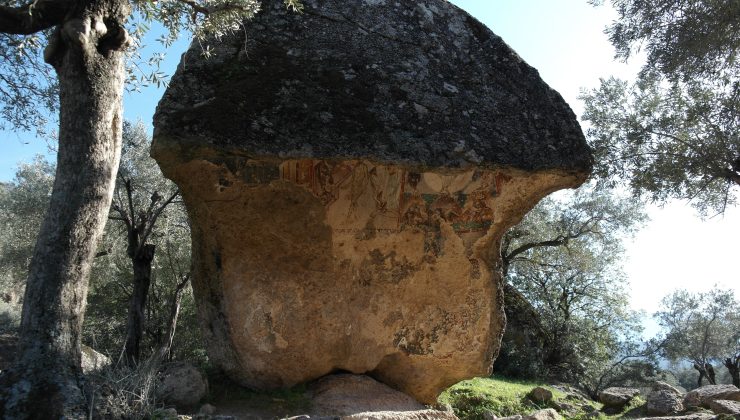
[503,397]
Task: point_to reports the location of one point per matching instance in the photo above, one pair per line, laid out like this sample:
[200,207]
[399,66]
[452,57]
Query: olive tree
[23,203]
[567,306]
[673,133]
[85,42]
[702,329]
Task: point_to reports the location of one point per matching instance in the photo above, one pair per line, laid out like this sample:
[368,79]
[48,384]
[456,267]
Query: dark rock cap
[412,82]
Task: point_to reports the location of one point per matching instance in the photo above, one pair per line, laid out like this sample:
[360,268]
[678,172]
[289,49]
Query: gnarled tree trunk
[46,380]
[733,366]
[142,267]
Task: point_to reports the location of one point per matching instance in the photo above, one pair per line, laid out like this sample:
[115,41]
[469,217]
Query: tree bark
[733,366]
[46,380]
[142,268]
[700,368]
[710,374]
[166,346]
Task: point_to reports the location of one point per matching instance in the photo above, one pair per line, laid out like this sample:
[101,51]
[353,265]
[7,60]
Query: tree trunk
[733,366]
[166,345]
[710,374]
[142,267]
[700,368]
[46,379]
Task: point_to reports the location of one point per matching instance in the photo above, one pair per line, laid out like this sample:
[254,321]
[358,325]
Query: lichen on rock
[349,173]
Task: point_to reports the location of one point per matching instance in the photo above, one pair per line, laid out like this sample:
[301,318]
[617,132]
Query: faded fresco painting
[361,195]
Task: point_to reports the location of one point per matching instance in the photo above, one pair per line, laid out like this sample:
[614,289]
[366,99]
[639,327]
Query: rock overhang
[361,80]
[349,173]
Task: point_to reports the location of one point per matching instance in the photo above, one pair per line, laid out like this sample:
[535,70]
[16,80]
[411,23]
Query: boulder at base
[701,397]
[664,399]
[617,397]
[725,407]
[349,172]
[181,384]
[346,394]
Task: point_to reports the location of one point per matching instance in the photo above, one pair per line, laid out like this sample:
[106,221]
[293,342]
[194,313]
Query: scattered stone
[664,399]
[540,395]
[181,384]
[546,414]
[207,409]
[346,394]
[444,407]
[660,385]
[588,408]
[725,407]
[617,397]
[565,407]
[571,392]
[93,360]
[515,417]
[692,416]
[701,397]
[403,415]
[339,189]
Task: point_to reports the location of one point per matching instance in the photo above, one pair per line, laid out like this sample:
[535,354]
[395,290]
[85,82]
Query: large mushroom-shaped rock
[349,172]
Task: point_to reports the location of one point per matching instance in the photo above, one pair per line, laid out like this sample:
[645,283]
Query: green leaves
[564,258]
[700,327]
[666,139]
[674,132]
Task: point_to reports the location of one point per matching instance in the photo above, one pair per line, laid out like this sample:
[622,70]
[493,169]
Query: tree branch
[156,215]
[32,17]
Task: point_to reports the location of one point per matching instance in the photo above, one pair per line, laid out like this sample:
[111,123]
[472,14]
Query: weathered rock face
[349,173]
[701,397]
[344,394]
[664,399]
[617,397]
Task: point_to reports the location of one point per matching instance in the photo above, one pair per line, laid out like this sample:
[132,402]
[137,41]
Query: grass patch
[472,399]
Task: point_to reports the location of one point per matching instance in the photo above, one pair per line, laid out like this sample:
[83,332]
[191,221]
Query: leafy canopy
[564,260]
[28,86]
[673,133]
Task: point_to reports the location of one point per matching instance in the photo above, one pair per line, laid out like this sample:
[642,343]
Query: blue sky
[564,40]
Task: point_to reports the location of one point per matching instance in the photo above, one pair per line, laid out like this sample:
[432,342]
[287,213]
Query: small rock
[565,407]
[92,360]
[617,397]
[490,415]
[588,408]
[402,415]
[693,416]
[702,396]
[182,385]
[515,417]
[540,394]
[546,414]
[207,409]
[725,407]
[659,385]
[445,407]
